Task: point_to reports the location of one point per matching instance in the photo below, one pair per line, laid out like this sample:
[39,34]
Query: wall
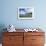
[9,13]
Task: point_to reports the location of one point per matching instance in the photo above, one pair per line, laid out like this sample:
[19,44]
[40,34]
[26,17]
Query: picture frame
[25,13]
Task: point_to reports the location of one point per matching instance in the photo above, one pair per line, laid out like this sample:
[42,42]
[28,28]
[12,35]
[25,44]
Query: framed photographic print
[25,13]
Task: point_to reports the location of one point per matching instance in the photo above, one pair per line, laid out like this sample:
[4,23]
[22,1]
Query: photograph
[25,13]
